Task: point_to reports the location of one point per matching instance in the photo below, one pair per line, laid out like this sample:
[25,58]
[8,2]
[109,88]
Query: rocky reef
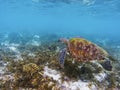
[37,68]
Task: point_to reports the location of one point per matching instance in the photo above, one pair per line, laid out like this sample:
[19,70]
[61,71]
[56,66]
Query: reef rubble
[37,68]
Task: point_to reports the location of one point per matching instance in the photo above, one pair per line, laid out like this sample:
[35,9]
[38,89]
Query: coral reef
[39,69]
[28,76]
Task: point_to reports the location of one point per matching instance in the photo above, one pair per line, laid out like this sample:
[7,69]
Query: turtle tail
[61,57]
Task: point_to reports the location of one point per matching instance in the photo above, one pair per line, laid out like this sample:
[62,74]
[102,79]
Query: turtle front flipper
[61,57]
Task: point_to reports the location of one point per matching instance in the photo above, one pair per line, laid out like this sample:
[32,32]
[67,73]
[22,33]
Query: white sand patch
[17,52]
[5,43]
[52,73]
[3,67]
[6,77]
[101,76]
[58,49]
[18,57]
[13,48]
[34,43]
[2,70]
[67,85]
[76,85]
[36,36]
[31,54]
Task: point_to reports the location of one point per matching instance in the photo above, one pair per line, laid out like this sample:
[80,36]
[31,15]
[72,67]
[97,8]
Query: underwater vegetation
[36,67]
[28,73]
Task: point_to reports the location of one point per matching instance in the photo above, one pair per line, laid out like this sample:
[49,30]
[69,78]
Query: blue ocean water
[77,17]
[34,57]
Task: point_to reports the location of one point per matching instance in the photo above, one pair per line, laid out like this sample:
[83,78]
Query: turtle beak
[63,40]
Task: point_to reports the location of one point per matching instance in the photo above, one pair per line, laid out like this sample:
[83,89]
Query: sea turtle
[82,50]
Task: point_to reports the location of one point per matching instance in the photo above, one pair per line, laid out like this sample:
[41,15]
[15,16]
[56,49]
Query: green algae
[28,73]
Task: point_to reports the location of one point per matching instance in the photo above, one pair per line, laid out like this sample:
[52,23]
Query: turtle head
[61,57]
[64,40]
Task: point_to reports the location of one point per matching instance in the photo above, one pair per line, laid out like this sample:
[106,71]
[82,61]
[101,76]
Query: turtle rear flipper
[107,65]
[61,57]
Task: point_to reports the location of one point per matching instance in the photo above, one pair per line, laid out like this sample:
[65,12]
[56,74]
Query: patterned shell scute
[84,50]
